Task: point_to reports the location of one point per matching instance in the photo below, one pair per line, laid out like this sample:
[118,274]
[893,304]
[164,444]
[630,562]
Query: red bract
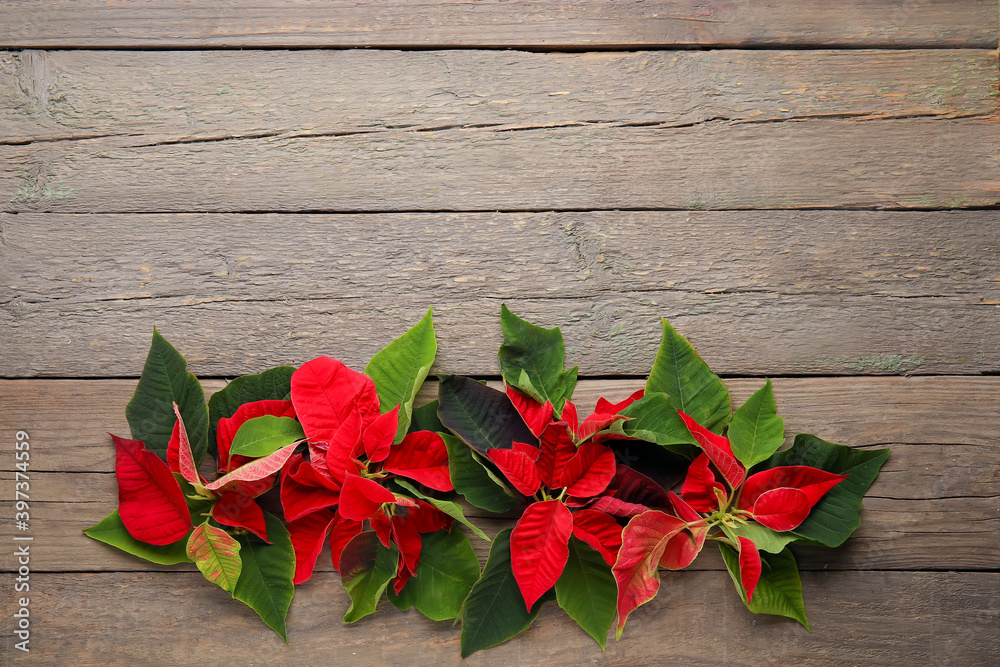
[150,502]
[351,455]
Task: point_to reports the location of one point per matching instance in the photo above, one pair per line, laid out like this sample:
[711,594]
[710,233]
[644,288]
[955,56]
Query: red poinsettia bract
[351,455]
[779,499]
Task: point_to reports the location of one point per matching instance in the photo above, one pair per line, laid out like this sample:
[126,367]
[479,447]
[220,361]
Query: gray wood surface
[194,96]
[884,618]
[266,206]
[756,292]
[712,165]
[540,24]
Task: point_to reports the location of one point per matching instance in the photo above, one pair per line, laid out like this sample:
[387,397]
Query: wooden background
[807,189]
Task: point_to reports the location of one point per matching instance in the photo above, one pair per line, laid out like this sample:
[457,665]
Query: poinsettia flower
[351,457]
[779,499]
[549,474]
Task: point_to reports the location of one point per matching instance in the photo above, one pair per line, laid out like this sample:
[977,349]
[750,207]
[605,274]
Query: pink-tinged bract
[644,540]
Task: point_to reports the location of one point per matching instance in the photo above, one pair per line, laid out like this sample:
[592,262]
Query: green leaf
[494,611]
[217,555]
[473,480]
[273,384]
[399,369]
[165,380]
[531,359]
[447,571]
[685,377]
[779,590]
[836,515]
[483,417]
[766,539]
[366,568]
[587,591]
[263,436]
[111,530]
[452,509]
[756,431]
[652,418]
[425,418]
[265,584]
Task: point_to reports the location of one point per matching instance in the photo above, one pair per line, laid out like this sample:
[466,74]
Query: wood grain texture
[897,163]
[543,24]
[889,618]
[196,96]
[933,507]
[756,292]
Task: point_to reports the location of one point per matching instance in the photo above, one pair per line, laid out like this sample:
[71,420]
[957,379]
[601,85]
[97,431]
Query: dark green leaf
[165,380]
[494,611]
[531,359]
[366,568]
[779,590]
[425,418]
[263,436]
[652,418]
[265,583]
[400,368]
[271,385]
[587,591]
[483,417]
[685,377]
[836,515]
[756,430]
[474,480]
[111,530]
[447,571]
[452,509]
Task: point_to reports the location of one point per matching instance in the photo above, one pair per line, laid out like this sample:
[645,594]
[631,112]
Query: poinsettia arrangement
[302,457]
[253,485]
[598,517]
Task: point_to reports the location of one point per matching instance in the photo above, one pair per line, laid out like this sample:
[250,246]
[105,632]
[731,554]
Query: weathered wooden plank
[495,23]
[933,507]
[775,292]
[192,96]
[891,618]
[821,163]
[68,420]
